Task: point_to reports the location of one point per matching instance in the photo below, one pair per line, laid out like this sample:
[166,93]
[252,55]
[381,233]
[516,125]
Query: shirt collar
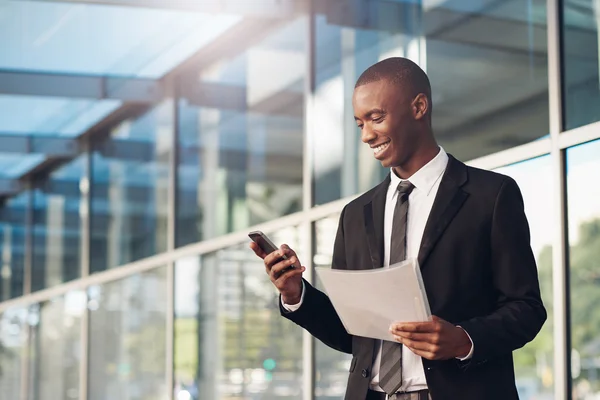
[425,178]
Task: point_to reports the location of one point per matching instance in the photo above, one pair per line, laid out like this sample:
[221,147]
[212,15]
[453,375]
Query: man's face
[383,112]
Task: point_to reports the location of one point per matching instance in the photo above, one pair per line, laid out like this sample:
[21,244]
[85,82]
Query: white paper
[369,301]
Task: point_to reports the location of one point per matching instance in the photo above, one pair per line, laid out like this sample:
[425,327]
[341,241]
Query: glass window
[50,116]
[534,364]
[130,179]
[13,339]
[487,63]
[583,163]
[56,347]
[128,338]
[581,86]
[331,365]
[230,341]
[12,245]
[57,226]
[73,38]
[240,160]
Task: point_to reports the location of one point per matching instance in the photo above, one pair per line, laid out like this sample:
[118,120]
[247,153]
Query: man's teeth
[379,149]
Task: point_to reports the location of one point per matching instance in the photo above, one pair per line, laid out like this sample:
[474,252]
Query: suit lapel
[374,212]
[448,201]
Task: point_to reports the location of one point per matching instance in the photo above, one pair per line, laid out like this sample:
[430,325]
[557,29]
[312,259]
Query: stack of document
[369,301]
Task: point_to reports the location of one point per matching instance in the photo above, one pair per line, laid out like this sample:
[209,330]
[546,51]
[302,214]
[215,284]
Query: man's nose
[367,134]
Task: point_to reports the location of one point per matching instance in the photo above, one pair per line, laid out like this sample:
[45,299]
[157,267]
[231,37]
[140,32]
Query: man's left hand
[433,340]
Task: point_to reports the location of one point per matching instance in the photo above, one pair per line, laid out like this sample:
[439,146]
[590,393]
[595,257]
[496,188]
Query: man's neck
[418,161]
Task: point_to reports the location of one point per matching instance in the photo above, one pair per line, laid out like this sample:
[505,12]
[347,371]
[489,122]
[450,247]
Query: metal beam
[254,8]
[214,95]
[9,187]
[231,97]
[26,83]
[132,90]
[50,145]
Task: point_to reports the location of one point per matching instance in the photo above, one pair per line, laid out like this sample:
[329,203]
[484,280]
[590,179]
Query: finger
[287,251]
[272,259]
[422,327]
[283,266]
[432,338]
[257,250]
[283,278]
[413,344]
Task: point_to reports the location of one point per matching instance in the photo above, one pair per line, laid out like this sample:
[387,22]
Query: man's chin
[385,163]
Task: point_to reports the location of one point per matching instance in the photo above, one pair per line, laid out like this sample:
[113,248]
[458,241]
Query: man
[468,230]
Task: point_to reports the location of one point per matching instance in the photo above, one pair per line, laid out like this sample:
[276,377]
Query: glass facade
[14,334]
[534,365]
[13,228]
[487,64]
[240,161]
[581,55]
[584,240]
[129,183]
[230,341]
[57,226]
[135,159]
[127,338]
[55,347]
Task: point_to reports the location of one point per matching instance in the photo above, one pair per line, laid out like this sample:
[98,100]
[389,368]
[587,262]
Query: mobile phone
[266,245]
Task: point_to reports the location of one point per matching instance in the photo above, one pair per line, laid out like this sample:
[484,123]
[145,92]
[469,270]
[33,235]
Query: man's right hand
[289,283]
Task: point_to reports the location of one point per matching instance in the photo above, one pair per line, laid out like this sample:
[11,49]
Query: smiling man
[468,230]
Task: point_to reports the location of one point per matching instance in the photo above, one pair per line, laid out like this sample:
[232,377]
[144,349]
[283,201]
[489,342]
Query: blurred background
[140,140]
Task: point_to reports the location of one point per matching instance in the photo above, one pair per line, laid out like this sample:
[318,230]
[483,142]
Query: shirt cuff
[470,355]
[294,307]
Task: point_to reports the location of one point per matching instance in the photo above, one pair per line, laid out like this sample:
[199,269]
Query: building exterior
[141,141]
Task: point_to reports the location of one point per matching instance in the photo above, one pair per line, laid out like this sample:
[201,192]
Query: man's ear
[420,106]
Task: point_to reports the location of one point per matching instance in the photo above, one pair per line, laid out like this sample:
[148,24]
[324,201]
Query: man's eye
[378,119]
[360,126]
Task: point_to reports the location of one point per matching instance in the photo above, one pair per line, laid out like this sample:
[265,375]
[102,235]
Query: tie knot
[405,187]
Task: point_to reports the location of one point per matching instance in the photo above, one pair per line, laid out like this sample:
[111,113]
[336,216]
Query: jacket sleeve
[316,314]
[519,312]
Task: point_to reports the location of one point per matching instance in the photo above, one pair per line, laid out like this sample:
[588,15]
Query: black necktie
[390,367]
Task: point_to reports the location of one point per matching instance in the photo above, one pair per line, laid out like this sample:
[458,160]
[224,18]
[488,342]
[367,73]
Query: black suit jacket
[478,270]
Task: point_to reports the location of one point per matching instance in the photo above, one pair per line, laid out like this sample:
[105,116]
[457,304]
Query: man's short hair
[398,71]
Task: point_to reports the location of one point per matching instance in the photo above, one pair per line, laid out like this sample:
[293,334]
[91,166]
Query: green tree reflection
[535,359]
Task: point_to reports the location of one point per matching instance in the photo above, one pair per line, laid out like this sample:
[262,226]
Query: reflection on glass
[583,163]
[130,172]
[57,226]
[45,116]
[127,338]
[240,149]
[331,365]
[581,26]
[62,37]
[487,65]
[230,341]
[55,347]
[13,338]
[12,245]
[534,366]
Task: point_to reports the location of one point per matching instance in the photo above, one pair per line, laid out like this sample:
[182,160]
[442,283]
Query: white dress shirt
[426,183]
[420,201]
